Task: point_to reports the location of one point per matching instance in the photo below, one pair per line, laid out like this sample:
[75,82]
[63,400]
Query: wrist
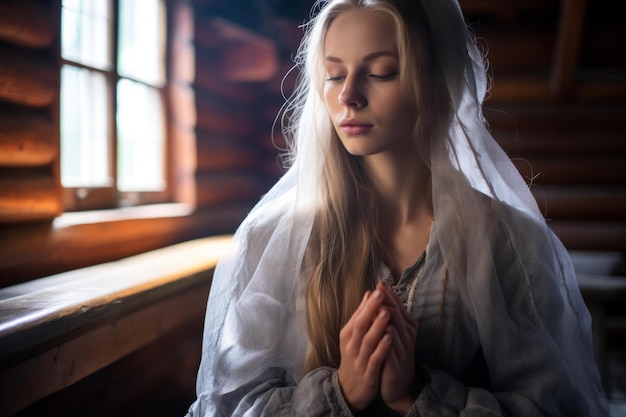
[403,405]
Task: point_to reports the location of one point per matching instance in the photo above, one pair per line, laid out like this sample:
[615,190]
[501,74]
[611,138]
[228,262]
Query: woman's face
[362,91]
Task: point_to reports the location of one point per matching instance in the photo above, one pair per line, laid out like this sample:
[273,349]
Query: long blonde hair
[344,249]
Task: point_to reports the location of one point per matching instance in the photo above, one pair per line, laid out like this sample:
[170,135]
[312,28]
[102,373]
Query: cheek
[330,97]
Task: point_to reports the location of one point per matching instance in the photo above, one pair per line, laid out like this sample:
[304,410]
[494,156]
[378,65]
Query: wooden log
[215,189]
[27,23]
[27,78]
[591,235]
[521,87]
[574,170]
[283,83]
[208,2]
[527,144]
[602,89]
[217,116]
[581,203]
[28,195]
[517,48]
[27,138]
[568,47]
[490,6]
[602,45]
[273,142]
[220,152]
[209,79]
[242,55]
[557,118]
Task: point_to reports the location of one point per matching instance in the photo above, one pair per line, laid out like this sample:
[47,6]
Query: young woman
[400,266]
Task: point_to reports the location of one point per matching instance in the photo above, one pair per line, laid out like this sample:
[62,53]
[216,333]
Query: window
[113,123]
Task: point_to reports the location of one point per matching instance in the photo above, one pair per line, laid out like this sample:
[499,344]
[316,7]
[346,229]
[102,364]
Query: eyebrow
[368,57]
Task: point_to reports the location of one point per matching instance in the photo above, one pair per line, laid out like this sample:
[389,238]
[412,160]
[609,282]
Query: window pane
[85,32]
[140,137]
[142,41]
[84,129]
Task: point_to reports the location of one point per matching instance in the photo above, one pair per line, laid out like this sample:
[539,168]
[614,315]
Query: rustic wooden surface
[61,329]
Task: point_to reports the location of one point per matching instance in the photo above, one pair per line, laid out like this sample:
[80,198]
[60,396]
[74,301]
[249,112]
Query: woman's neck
[401,185]
[402,188]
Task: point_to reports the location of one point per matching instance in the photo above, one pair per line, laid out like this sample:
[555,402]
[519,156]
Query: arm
[274,394]
[534,331]
[254,340]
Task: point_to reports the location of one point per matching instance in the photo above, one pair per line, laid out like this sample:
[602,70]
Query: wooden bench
[145,312]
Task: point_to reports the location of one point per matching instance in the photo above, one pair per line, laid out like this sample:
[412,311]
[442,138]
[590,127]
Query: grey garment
[405,286]
[468,370]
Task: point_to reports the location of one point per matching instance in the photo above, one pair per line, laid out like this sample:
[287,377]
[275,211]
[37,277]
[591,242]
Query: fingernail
[378,295]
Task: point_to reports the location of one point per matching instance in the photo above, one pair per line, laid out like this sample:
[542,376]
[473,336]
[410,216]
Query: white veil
[256,312]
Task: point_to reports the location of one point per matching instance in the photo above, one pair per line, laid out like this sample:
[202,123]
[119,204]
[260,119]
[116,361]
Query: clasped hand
[377,347]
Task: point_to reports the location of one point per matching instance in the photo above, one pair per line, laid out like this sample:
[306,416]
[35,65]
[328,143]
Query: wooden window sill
[153,211]
[59,329]
[81,239]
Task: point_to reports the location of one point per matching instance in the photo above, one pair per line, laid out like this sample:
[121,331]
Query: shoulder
[256,231]
[531,263]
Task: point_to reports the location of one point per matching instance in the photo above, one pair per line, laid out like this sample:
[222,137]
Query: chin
[358,146]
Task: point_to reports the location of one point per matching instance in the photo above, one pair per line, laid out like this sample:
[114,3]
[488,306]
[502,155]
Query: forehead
[358,32]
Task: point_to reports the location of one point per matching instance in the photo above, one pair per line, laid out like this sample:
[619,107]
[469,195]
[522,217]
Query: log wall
[29,101]
[557,107]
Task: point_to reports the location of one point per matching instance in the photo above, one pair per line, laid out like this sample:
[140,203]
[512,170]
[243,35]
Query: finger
[400,316]
[346,333]
[378,356]
[374,334]
[365,316]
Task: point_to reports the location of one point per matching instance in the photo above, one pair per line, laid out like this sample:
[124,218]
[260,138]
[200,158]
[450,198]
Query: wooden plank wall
[238,96]
[29,96]
[557,107]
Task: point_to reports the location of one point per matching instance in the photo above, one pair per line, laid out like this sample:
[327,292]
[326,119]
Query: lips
[355,127]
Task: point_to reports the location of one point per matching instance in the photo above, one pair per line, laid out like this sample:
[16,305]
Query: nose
[351,95]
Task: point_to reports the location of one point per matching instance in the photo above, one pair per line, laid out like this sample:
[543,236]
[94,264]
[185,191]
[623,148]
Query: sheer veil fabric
[507,269]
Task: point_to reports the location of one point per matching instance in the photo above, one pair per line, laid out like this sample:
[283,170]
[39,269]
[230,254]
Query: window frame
[110,197]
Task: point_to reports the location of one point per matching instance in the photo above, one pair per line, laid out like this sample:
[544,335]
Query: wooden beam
[567,48]
[27,78]
[219,188]
[227,153]
[27,195]
[27,139]
[240,54]
[582,202]
[220,116]
[26,23]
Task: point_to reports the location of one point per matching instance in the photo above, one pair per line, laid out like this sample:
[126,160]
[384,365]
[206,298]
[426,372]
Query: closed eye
[384,77]
[336,78]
